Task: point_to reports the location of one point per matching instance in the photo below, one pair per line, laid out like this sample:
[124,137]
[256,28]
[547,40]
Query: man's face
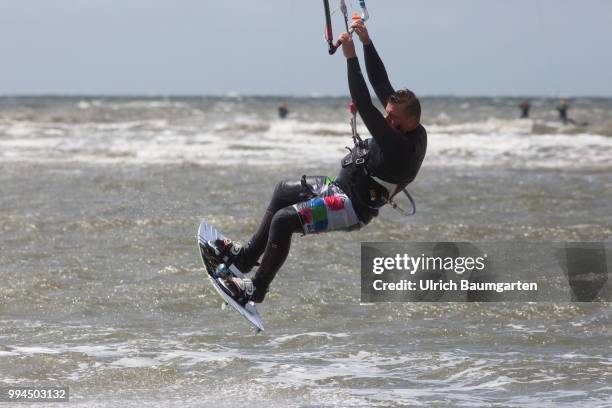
[398,120]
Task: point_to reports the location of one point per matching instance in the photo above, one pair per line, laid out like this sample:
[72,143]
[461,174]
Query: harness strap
[390,187]
[356,159]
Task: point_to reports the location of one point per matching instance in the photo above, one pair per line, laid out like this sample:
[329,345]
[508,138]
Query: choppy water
[102,289]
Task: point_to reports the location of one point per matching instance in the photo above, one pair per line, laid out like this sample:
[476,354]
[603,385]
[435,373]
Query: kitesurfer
[562,108]
[525,107]
[374,171]
[283,110]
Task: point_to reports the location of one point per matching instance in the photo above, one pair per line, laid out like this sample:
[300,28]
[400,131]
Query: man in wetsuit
[283,110]
[371,174]
[563,107]
[525,107]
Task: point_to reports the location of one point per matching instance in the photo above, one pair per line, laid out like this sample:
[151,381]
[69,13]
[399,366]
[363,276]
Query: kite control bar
[364,11]
[329,34]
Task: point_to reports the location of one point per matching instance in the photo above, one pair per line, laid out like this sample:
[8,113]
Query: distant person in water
[563,108]
[283,110]
[525,107]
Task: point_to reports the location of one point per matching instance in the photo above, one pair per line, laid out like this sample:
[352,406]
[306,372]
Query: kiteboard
[217,271]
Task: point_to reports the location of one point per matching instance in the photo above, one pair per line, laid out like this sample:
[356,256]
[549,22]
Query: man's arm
[386,137]
[372,118]
[374,65]
[377,74]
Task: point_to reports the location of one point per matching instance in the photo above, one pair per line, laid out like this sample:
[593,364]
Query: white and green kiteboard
[217,271]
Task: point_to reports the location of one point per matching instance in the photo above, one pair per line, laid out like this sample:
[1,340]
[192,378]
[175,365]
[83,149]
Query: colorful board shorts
[330,210]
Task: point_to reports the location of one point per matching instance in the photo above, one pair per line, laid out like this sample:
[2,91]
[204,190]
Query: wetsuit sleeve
[377,74]
[380,130]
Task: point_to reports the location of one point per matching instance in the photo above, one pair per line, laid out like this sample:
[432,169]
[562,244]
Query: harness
[362,178]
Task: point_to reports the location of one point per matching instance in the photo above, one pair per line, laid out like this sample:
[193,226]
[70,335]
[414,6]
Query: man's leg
[332,210]
[285,194]
[284,223]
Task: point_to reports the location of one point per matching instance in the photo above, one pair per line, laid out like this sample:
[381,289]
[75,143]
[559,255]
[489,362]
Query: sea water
[103,289]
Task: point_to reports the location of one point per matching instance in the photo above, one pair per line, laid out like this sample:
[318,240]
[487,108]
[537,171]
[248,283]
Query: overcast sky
[435,47]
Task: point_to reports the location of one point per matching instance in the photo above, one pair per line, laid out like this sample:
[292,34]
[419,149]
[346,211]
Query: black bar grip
[332,49]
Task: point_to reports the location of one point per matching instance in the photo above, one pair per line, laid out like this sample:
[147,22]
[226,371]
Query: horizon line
[315,95]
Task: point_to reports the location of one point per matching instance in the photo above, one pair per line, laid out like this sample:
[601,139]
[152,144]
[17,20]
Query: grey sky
[469,47]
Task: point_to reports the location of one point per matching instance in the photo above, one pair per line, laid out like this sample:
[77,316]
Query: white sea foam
[253,141]
[135,362]
[329,336]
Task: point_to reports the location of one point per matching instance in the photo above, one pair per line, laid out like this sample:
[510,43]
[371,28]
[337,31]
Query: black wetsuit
[525,108]
[283,112]
[563,108]
[393,156]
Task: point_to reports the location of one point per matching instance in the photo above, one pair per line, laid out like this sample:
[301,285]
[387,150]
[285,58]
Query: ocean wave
[250,140]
